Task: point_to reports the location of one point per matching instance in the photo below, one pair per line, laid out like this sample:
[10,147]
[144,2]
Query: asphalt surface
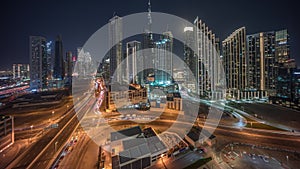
[275,114]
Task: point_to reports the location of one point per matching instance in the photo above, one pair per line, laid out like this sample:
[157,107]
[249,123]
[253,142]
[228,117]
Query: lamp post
[55,146]
[52,118]
[31,132]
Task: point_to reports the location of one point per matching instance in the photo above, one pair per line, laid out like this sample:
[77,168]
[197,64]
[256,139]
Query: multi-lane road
[44,150]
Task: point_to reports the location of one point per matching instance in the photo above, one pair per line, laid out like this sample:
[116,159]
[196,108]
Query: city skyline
[267,17]
[149,84]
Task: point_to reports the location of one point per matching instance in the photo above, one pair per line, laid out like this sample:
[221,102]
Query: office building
[115,42]
[207,74]
[50,58]
[132,61]
[163,62]
[38,62]
[189,54]
[83,63]
[235,62]
[125,96]
[190,58]
[284,79]
[69,64]
[262,69]
[58,70]
[21,71]
[282,47]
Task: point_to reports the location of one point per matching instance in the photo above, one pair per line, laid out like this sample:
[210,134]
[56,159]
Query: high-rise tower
[132,63]
[207,72]
[262,66]
[59,70]
[235,62]
[163,63]
[115,53]
[38,62]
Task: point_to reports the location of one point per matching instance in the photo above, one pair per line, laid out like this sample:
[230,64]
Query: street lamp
[55,146]
[31,132]
[53,114]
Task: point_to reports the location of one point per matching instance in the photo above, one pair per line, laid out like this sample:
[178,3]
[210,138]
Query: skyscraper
[50,58]
[282,46]
[115,41]
[284,80]
[207,61]
[148,49]
[83,63]
[132,64]
[163,63]
[262,69]
[69,64]
[59,70]
[190,57]
[38,62]
[235,62]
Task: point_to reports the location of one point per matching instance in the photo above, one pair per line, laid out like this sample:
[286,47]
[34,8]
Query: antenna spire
[149,15]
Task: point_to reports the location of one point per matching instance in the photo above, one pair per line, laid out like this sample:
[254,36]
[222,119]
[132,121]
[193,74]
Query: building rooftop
[129,132]
[136,151]
[154,143]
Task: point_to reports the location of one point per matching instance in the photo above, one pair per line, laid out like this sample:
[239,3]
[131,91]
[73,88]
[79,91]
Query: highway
[83,155]
[41,152]
[38,146]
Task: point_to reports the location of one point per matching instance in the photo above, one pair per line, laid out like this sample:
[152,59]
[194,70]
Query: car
[266,159]
[56,166]
[69,149]
[253,156]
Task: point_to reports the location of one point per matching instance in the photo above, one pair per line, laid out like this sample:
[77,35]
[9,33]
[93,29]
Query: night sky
[77,20]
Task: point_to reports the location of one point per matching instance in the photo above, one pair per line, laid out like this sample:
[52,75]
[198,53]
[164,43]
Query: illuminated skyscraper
[208,71]
[115,41]
[69,64]
[189,56]
[282,46]
[50,58]
[132,64]
[262,69]
[38,62]
[163,62]
[235,62]
[83,63]
[59,70]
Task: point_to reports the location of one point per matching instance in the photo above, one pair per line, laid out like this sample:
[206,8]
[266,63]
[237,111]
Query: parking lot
[249,157]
